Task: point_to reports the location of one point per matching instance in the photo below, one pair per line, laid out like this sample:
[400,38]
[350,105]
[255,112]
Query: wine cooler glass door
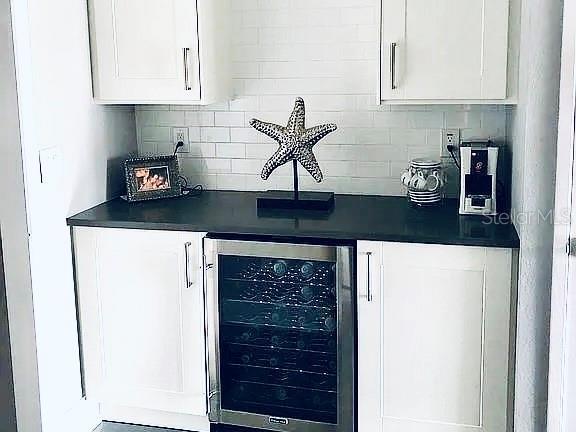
[281,338]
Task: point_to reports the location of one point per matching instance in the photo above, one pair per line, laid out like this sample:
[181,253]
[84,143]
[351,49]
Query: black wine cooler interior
[278,337]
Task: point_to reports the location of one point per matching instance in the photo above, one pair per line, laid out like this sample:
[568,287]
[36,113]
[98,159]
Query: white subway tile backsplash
[278,117]
[228,150]
[363,119]
[392,119]
[373,169]
[201,150]
[194,134]
[259,151]
[165,148]
[463,120]
[215,134]
[336,152]
[216,165]
[327,52]
[373,136]
[229,119]
[342,33]
[152,133]
[246,166]
[243,70]
[168,118]
[434,139]
[492,120]
[408,137]
[220,106]
[397,169]
[245,135]
[145,117]
[340,136]
[231,182]
[426,120]
[340,168]
[147,148]
[381,153]
[199,118]
[244,103]
[422,152]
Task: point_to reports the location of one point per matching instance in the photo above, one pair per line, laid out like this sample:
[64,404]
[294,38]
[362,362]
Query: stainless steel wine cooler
[280,332]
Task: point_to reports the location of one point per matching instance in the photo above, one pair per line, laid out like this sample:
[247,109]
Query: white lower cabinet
[140,296]
[433,337]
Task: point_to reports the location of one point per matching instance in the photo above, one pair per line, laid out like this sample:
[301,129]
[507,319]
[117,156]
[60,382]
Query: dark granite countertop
[355,217]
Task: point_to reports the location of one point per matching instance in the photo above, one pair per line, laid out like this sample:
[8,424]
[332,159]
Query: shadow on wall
[504,176]
[116,180]
[7,404]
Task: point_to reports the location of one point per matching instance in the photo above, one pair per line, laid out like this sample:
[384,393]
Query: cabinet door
[142,320]
[444,49]
[369,301]
[434,341]
[144,50]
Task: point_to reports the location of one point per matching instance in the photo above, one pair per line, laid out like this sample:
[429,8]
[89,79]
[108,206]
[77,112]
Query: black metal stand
[295,174]
[296,200]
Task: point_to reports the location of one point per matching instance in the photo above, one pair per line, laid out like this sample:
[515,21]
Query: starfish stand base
[296,200]
[285,200]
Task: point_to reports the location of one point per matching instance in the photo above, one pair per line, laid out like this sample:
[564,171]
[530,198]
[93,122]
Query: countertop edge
[159,226]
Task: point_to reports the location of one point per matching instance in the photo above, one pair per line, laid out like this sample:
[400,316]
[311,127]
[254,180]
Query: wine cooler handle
[206,335]
[210,295]
[189,281]
[368,277]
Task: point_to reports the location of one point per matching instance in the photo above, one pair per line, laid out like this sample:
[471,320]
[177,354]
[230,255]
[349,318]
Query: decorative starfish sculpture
[295,141]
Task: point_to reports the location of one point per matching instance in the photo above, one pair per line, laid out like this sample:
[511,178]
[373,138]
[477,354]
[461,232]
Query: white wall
[327,52]
[14,238]
[533,130]
[56,111]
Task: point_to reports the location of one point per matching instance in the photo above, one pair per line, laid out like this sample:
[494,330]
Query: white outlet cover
[445,141]
[181,133]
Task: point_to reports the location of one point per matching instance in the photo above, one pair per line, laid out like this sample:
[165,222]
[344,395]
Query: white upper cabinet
[433,338]
[155,51]
[445,50]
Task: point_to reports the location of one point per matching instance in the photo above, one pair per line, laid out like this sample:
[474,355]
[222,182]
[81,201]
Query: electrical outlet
[180,134]
[450,137]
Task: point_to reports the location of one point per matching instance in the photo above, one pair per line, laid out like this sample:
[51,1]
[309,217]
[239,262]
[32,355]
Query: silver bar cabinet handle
[393,65]
[186,70]
[189,282]
[368,277]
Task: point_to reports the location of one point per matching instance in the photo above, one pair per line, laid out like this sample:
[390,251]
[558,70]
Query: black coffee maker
[479,163]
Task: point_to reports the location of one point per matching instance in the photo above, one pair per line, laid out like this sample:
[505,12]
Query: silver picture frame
[150,178]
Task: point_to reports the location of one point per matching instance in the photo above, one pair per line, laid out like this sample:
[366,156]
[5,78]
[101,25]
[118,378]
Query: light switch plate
[181,134]
[49,159]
